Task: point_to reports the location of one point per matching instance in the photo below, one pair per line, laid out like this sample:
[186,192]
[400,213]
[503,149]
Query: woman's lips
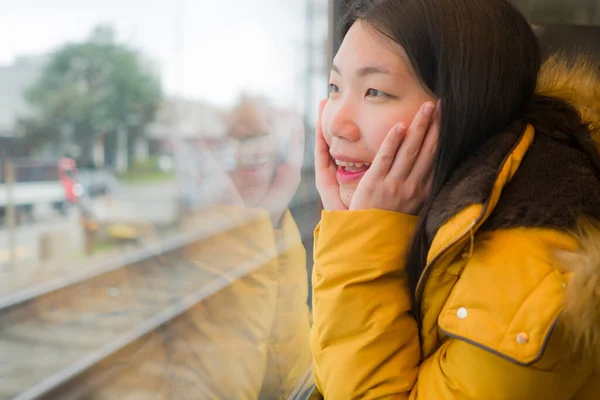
[345,176]
[349,170]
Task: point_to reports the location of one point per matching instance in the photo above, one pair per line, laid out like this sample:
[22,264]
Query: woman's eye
[376,93]
[333,88]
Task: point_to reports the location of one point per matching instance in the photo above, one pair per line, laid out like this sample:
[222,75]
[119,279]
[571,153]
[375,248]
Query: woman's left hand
[288,175]
[401,175]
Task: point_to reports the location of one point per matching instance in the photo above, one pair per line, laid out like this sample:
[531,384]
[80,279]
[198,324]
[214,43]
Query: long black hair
[482,59]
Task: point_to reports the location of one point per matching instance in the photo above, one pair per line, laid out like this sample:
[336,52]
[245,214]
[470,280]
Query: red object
[69,178]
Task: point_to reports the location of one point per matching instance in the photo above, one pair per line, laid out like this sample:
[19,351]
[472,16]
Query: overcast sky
[206,49]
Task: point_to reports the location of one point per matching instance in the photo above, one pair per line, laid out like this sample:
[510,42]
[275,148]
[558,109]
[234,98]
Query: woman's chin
[254,195]
[346,196]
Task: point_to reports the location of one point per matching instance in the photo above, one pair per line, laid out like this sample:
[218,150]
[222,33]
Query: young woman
[452,260]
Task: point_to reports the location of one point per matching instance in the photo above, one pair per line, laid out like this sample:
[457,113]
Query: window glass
[157,198]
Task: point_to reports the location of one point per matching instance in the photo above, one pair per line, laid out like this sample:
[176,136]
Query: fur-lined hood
[578,82]
[554,187]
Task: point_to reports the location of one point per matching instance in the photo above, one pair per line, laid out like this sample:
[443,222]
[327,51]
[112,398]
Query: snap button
[462,313]
[522,338]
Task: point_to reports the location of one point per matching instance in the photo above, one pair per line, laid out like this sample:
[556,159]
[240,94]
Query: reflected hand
[287,176]
[326,169]
[401,175]
[227,192]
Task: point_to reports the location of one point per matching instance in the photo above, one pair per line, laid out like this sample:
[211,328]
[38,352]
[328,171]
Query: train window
[155,240]
[574,12]
[36,172]
[157,193]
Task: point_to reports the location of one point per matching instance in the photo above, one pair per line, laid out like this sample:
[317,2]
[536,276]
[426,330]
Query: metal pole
[308,78]
[178,47]
[592,11]
[330,33]
[11,215]
[337,9]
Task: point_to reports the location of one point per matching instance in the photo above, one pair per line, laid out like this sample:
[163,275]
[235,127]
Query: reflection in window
[157,200]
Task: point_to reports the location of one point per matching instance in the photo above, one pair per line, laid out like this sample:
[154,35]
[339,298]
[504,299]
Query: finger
[285,183]
[424,164]
[409,151]
[283,175]
[322,156]
[286,179]
[325,168]
[384,158]
[228,192]
[429,184]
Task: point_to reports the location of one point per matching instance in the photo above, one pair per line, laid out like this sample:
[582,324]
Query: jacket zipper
[427,270]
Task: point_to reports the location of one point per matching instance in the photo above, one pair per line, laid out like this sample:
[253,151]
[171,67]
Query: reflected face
[256,162]
[372,88]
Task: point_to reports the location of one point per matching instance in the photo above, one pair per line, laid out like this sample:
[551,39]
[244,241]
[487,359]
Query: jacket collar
[461,208]
[475,188]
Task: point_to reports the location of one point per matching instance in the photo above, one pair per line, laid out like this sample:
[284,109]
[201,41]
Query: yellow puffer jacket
[509,303]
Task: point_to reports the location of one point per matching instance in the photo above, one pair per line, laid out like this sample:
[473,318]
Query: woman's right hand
[401,174]
[326,169]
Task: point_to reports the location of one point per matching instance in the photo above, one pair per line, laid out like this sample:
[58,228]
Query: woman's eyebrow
[365,70]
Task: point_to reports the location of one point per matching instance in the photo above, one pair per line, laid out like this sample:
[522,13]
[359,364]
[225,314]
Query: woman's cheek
[378,136]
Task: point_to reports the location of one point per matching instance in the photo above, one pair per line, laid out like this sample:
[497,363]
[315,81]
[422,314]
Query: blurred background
[126,91]
[126,127]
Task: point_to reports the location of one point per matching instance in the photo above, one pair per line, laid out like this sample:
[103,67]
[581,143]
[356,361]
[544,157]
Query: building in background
[14,80]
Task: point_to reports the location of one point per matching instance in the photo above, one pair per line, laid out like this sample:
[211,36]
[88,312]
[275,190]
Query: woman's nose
[342,124]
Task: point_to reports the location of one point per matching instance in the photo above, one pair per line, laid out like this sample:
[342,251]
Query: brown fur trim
[554,185]
[581,315]
[578,82]
[471,183]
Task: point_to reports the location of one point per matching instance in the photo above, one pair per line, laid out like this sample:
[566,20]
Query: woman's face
[372,88]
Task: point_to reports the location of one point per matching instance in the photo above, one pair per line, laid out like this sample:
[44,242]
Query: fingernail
[428,109]
[400,128]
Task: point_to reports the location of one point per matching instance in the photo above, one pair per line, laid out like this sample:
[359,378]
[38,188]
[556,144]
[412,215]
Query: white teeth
[352,164]
[252,162]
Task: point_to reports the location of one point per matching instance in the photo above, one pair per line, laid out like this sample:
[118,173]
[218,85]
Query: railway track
[55,333]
